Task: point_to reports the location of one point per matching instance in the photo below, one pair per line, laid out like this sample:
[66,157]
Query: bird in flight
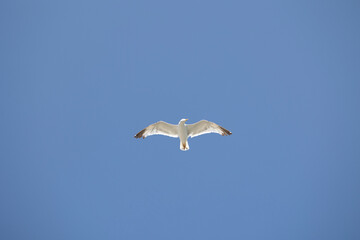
[182,131]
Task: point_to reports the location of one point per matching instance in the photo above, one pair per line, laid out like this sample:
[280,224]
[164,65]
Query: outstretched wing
[204,126]
[159,128]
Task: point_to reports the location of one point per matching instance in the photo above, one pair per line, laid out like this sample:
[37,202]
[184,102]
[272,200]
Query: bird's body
[183,135]
[182,131]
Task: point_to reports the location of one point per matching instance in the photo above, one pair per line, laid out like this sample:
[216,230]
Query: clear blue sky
[79,78]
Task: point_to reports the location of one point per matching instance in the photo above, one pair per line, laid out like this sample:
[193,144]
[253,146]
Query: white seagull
[182,130]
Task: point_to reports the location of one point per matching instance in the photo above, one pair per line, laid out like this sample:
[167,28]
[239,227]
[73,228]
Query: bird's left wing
[159,128]
[204,126]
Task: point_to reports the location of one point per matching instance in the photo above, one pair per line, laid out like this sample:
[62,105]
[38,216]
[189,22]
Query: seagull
[182,130]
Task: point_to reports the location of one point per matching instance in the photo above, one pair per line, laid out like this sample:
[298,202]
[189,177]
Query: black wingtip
[140,134]
[225,132]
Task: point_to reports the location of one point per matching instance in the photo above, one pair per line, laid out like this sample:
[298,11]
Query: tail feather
[184,146]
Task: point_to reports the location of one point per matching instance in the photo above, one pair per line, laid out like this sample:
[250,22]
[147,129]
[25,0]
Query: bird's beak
[186,120]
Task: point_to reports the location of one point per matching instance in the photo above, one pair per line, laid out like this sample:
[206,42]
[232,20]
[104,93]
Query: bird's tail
[184,146]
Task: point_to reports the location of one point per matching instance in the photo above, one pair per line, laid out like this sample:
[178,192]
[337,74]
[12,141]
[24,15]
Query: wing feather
[159,128]
[204,126]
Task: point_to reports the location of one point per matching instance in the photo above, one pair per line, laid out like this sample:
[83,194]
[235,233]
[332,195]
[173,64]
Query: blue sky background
[80,78]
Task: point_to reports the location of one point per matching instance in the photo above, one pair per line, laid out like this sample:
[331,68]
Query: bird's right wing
[159,128]
[204,126]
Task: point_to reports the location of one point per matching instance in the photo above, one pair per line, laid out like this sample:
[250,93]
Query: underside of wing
[204,126]
[159,128]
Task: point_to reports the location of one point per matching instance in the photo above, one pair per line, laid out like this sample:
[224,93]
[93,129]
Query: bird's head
[183,120]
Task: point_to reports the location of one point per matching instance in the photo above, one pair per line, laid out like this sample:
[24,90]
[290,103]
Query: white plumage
[182,130]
